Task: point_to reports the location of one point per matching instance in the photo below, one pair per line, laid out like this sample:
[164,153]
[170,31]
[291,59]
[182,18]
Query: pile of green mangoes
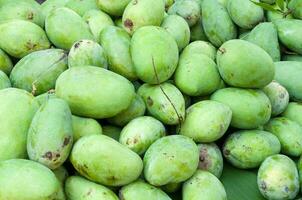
[149,99]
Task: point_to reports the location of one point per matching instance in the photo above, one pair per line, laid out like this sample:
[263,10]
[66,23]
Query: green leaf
[265,6]
[280,4]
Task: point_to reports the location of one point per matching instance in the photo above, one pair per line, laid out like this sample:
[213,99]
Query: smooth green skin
[289,32]
[171,159]
[278,178]
[248,149]
[244,64]
[97,21]
[159,106]
[265,36]
[154,53]
[21,41]
[4,81]
[17,110]
[296,7]
[217,23]
[178,28]
[210,159]
[272,16]
[50,135]
[94,92]
[64,27]
[206,121]
[78,188]
[61,174]
[292,58]
[136,109]
[171,187]
[24,10]
[203,186]
[112,131]
[80,6]
[250,108]
[196,74]
[142,190]
[278,97]
[38,71]
[197,32]
[103,160]
[49,5]
[294,112]
[288,74]
[141,132]
[6,64]
[201,47]
[87,52]
[116,43]
[113,7]
[27,180]
[42,98]
[188,9]
[289,134]
[138,14]
[84,126]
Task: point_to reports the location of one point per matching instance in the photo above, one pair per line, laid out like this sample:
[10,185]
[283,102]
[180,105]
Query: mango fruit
[201,47]
[61,173]
[82,126]
[50,5]
[292,58]
[296,7]
[294,112]
[114,7]
[80,6]
[4,81]
[197,32]
[112,131]
[6,64]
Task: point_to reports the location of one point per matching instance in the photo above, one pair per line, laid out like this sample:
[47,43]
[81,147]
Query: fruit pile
[150,99]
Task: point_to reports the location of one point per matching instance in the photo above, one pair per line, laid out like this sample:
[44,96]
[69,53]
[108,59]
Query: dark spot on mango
[48,155]
[89,192]
[263,185]
[222,50]
[66,141]
[128,24]
[30,46]
[76,45]
[149,101]
[30,16]
[134,2]
[226,152]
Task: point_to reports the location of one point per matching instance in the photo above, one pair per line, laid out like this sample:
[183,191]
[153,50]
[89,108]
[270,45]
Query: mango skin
[278,97]
[250,108]
[171,187]
[296,7]
[27,180]
[206,121]
[292,58]
[212,187]
[21,41]
[94,92]
[78,188]
[247,149]
[50,5]
[6,64]
[61,174]
[84,126]
[18,108]
[278,178]
[177,151]
[64,27]
[42,98]
[103,160]
[112,131]
[4,81]
[38,71]
[80,6]
[154,51]
[201,47]
[273,16]
[289,134]
[141,190]
[288,74]
[141,132]
[294,112]
[116,43]
[197,32]
[217,23]
[113,7]
[87,52]
[138,14]
[159,106]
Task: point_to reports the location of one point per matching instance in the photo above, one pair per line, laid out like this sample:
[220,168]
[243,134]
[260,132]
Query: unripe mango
[6,64]
[50,5]
[197,32]
[84,126]
[4,81]
[80,6]
[292,58]
[113,7]
[201,47]
[294,112]
[296,7]
[112,131]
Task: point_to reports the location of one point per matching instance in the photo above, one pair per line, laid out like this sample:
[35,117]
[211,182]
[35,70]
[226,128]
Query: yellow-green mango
[6,64]
[294,112]
[84,126]
[201,47]
[42,98]
[94,92]
[112,131]
[168,4]
[197,32]
[49,5]
[103,160]
[113,7]
[61,174]
[296,7]
[4,81]
[292,58]
[80,6]
[20,37]
[118,22]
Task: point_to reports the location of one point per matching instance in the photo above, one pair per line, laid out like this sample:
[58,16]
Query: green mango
[247,149]
[17,110]
[271,16]
[210,159]
[217,23]
[171,187]
[206,121]
[171,159]
[78,188]
[141,190]
[116,43]
[288,74]
[42,98]
[289,32]
[87,52]
[141,132]
[278,97]
[6,64]
[38,71]
[113,7]
[278,178]
[64,27]
[138,14]
[118,22]
[201,47]
[136,109]
[4,81]
[179,29]
[265,36]
[49,5]
[244,64]
[294,112]
[197,32]
[27,180]
[61,174]
[80,6]
[103,160]
[299,166]
[84,126]
[289,134]
[250,108]
[296,7]
[112,131]
[292,58]
[94,92]
[21,41]
[167,106]
[203,186]
[168,4]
